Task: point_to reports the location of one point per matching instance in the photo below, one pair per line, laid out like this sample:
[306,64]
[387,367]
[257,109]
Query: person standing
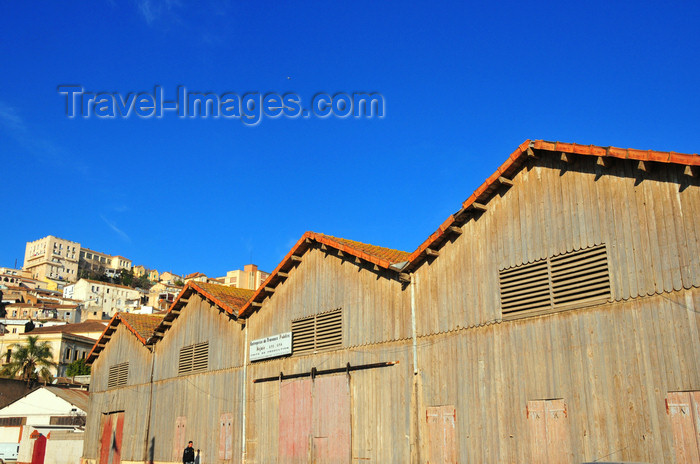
[188,454]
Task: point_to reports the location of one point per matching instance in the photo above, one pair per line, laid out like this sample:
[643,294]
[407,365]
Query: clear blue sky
[464,85]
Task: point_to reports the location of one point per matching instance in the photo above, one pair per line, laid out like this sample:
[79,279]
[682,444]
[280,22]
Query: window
[68,354]
[8,356]
[193,358]
[118,375]
[319,332]
[13,421]
[575,279]
[67,420]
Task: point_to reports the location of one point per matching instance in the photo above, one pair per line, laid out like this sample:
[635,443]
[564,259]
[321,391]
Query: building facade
[52,258]
[553,318]
[250,277]
[103,296]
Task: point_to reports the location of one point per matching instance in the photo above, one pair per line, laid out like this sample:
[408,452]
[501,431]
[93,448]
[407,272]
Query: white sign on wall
[270,347]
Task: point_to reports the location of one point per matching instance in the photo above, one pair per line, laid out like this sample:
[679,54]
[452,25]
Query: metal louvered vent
[573,279]
[319,332]
[118,375]
[193,358]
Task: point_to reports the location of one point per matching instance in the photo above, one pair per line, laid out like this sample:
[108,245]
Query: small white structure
[52,412]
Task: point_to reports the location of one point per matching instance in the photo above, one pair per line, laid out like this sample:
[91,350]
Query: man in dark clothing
[188,454]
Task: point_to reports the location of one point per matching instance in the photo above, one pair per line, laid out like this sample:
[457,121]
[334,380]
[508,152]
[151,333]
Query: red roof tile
[230,299]
[516,159]
[382,257]
[141,325]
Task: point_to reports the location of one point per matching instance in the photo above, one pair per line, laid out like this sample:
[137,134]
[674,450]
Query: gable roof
[87,326]
[78,398]
[74,397]
[515,161]
[194,275]
[229,299]
[379,256]
[141,325]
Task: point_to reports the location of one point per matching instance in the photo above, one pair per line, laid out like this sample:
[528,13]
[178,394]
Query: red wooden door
[331,420]
[314,422]
[39,450]
[549,432]
[684,409]
[106,439]
[294,421]
[111,440]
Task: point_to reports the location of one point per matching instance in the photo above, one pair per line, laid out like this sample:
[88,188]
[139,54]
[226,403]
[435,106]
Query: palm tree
[30,360]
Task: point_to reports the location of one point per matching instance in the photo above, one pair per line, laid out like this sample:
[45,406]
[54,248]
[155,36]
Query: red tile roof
[516,160]
[380,256]
[230,299]
[87,326]
[141,325]
[194,275]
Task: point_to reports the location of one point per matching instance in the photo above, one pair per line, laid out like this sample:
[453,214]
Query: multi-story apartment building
[52,258]
[250,277]
[102,262]
[110,298]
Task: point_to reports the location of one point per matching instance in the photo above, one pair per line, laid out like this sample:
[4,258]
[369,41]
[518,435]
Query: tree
[77,368]
[31,360]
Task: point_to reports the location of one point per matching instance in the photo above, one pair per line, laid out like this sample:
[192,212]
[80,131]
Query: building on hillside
[53,258]
[103,263]
[162,295]
[553,318]
[103,296]
[196,277]
[250,277]
[153,275]
[66,346]
[50,417]
[139,270]
[169,278]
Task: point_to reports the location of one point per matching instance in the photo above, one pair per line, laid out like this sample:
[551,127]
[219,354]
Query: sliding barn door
[314,422]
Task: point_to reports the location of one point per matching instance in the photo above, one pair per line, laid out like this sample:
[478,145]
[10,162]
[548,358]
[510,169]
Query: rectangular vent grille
[572,279]
[319,332]
[193,358]
[118,375]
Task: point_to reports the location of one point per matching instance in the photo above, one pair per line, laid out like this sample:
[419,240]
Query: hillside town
[63,298]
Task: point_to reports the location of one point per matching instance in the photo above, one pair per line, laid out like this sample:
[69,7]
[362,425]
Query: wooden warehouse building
[554,318]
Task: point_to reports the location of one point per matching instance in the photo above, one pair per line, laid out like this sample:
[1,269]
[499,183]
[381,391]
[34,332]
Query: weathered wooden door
[226,436]
[549,432]
[314,421]
[441,446]
[331,420]
[179,438]
[684,411]
[39,450]
[111,441]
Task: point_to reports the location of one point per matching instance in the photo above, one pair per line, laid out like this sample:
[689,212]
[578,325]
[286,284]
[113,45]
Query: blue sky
[464,85]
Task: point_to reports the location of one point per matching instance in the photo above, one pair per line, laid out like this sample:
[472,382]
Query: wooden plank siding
[591,358]
[650,229]
[376,328]
[132,398]
[610,365]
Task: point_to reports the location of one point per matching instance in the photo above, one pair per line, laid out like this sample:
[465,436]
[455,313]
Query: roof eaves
[299,249]
[515,161]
